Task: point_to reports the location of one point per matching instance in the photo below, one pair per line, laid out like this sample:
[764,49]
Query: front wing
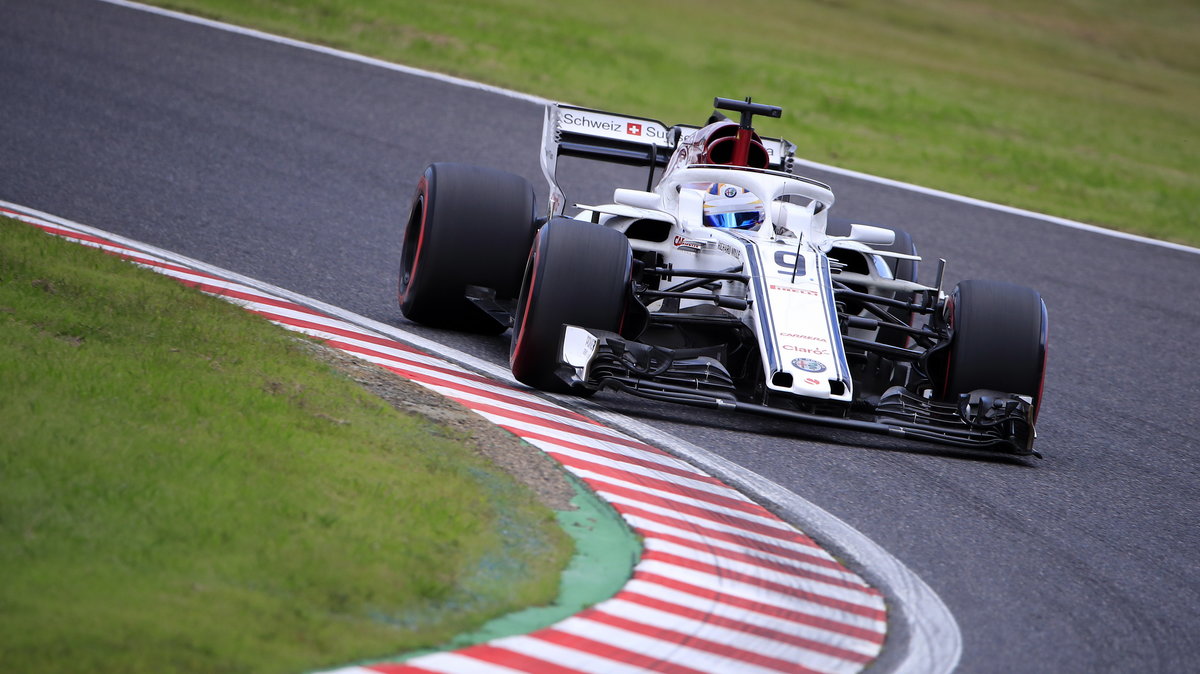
[595,360]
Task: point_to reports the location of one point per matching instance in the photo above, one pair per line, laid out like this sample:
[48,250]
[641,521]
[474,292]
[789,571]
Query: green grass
[1084,109]
[182,488]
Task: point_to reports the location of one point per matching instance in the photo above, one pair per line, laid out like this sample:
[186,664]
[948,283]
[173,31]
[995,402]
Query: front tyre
[998,340]
[578,273]
[468,226]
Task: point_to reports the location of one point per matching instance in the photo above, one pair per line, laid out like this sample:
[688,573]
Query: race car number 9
[789,263]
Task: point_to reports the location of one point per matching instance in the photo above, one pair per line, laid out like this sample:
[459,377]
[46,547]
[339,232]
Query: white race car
[719,286]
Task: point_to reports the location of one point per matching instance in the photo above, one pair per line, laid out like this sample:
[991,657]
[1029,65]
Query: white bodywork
[790,290]
[793,317]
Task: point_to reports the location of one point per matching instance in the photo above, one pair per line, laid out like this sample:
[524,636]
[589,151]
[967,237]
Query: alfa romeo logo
[809,365]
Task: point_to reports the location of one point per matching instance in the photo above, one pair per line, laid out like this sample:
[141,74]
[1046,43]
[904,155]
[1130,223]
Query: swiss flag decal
[633,129]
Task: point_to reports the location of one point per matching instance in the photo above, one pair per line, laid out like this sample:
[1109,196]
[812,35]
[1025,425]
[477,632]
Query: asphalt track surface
[296,168]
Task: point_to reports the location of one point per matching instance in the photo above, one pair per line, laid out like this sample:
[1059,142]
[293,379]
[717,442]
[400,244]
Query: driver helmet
[732,207]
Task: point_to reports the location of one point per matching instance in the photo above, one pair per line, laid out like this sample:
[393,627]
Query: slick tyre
[468,226]
[998,340]
[578,273]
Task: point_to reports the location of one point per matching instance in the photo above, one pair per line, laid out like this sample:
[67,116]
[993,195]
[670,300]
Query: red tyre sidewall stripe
[422,196]
[533,278]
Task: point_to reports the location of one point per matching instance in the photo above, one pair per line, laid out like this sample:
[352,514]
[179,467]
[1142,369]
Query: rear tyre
[468,226]
[998,340]
[578,273]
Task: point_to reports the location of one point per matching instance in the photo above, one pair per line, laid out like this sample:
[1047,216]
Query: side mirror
[872,236]
[637,199]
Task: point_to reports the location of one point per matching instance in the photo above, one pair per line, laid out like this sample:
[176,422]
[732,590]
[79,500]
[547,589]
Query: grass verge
[1082,109]
[183,489]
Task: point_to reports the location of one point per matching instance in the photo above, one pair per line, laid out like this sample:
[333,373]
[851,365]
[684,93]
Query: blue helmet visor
[739,220]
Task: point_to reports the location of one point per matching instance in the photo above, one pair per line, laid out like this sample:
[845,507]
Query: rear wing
[570,131]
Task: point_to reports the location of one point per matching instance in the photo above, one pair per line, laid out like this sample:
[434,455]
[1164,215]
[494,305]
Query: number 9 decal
[789,263]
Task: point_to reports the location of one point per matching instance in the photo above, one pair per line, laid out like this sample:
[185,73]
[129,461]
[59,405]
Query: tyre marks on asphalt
[722,583]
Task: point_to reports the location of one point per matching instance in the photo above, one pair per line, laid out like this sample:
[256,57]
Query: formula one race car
[719,286]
